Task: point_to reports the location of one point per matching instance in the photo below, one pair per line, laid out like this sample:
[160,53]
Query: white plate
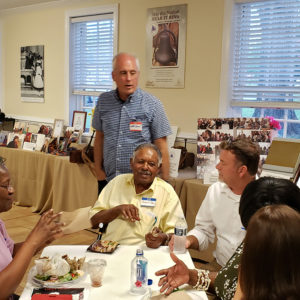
[54,283]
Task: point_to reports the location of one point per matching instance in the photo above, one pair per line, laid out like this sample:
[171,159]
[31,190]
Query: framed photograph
[32,73]
[79,119]
[15,140]
[58,128]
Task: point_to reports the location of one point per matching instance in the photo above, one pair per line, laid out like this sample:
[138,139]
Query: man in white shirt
[218,215]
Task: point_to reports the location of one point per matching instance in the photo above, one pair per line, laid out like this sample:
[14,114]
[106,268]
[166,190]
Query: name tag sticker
[148,202]
[135,126]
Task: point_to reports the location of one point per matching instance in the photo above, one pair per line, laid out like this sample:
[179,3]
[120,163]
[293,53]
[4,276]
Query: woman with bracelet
[262,192]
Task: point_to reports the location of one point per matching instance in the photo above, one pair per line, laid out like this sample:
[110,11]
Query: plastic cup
[96,268]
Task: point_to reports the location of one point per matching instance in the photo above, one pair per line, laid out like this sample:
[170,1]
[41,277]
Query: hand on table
[174,276]
[155,238]
[129,212]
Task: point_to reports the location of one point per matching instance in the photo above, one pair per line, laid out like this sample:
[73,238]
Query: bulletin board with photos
[212,131]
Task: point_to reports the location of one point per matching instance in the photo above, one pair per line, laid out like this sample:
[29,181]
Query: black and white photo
[32,73]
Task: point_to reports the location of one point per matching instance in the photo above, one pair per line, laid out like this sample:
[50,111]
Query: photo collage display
[211,132]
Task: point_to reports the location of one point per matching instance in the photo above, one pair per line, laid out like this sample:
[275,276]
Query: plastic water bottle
[148,294]
[180,235]
[139,275]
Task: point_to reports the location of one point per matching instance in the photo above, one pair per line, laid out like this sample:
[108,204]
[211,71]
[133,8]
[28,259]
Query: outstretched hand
[46,230]
[174,276]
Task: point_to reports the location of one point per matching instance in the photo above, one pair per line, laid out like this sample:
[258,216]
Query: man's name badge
[135,126]
[150,202]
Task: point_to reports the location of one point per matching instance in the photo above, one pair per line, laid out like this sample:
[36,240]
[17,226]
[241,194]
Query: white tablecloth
[116,282]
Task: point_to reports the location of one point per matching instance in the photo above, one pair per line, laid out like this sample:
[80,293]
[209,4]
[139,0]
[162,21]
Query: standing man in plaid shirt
[125,118]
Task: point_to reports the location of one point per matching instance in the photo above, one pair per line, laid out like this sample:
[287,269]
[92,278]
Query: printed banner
[166,39]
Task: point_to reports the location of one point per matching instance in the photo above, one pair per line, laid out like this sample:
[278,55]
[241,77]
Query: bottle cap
[139,252]
[150,281]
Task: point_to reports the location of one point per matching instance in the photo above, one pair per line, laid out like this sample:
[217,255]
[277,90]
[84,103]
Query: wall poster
[32,74]
[165,52]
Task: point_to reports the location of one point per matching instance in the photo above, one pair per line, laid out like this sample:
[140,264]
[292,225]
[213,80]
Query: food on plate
[104,246]
[58,269]
[75,264]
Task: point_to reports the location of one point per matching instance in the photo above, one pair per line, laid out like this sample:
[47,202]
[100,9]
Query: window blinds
[266,59]
[91,53]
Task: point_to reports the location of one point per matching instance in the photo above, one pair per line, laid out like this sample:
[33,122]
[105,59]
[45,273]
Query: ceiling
[6,4]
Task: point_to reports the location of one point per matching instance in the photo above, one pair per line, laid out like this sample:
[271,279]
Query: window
[265,62]
[92,45]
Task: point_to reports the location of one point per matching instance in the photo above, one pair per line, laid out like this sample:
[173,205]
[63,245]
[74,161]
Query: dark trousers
[101,185]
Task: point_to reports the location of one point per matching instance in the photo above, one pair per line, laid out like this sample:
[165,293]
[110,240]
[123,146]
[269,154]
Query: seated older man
[133,204]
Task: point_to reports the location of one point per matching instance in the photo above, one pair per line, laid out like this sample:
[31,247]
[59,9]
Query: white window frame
[225,101]
[114,8]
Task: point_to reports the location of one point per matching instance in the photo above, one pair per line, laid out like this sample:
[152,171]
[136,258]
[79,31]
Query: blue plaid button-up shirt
[113,116]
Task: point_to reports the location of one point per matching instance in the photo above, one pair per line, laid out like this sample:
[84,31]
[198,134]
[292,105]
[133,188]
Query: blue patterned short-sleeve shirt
[127,124]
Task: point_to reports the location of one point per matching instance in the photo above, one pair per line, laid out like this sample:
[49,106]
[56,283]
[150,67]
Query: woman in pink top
[15,258]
